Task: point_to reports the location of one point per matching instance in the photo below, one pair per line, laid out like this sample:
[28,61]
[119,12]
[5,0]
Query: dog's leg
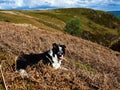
[23,73]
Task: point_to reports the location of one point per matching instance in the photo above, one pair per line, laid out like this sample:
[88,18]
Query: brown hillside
[90,66]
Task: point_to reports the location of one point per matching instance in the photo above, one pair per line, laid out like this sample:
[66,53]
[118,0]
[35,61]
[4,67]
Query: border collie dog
[52,57]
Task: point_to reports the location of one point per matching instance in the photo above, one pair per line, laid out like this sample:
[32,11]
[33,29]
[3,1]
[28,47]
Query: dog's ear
[63,46]
[54,45]
[55,49]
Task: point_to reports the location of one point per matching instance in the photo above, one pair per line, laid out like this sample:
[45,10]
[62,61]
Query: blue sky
[106,5]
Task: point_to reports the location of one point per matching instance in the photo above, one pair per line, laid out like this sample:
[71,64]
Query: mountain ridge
[98,26]
[115,12]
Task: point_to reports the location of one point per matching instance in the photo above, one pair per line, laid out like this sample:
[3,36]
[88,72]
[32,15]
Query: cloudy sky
[107,5]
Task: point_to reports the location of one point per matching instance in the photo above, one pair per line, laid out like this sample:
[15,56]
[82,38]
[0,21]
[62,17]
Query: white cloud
[12,4]
[8,4]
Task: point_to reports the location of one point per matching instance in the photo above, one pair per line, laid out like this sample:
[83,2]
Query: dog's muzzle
[60,56]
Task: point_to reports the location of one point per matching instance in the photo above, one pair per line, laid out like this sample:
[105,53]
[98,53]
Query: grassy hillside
[97,26]
[90,66]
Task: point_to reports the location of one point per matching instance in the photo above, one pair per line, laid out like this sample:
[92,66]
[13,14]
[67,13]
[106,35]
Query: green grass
[84,67]
[2,87]
[3,56]
[97,26]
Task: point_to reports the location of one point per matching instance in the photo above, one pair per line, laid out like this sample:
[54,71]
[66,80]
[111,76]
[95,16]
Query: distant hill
[115,12]
[98,26]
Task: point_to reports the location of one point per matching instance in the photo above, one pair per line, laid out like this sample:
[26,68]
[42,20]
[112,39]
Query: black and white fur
[52,57]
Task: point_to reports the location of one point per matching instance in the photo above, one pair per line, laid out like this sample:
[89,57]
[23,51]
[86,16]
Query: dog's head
[58,50]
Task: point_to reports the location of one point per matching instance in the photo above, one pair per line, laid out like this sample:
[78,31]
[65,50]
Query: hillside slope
[90,66]
[97,26]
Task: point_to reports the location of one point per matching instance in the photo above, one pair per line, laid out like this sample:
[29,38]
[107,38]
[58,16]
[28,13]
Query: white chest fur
[56,63]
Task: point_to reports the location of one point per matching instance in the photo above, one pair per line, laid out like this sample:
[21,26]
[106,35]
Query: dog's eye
[60,53]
